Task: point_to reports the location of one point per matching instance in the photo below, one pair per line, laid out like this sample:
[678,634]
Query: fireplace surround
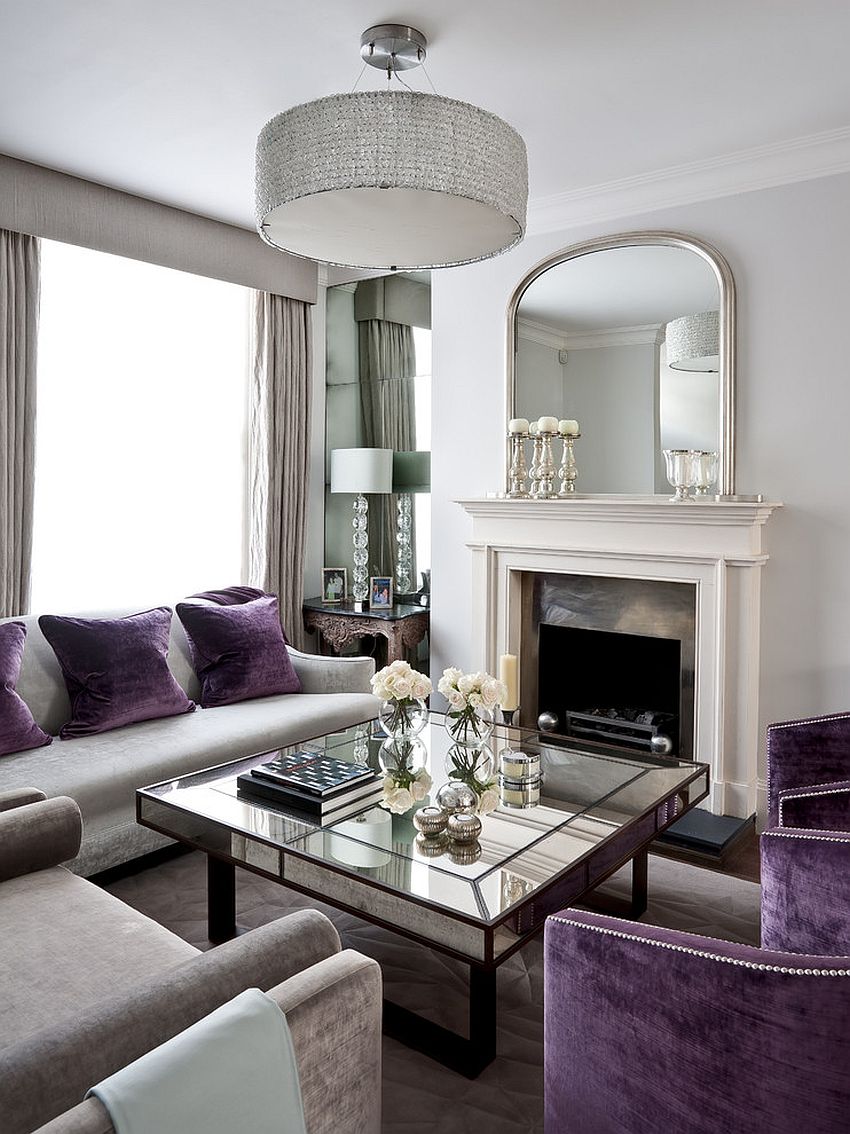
[715,548]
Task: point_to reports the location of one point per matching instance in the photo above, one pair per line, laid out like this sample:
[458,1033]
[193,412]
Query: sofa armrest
[319,674]
[37,835]
[825,807]
[805,897]
[804,753]
[642,1024]
[339,1066]
[50,1072]
[17,797]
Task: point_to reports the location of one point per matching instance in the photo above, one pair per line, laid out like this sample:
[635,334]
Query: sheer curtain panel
[279,453]
[19,297]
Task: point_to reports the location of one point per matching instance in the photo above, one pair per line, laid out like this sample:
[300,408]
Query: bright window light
[141,434]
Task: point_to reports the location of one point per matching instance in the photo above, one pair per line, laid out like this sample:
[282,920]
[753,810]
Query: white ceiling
[621,287]
[165,98]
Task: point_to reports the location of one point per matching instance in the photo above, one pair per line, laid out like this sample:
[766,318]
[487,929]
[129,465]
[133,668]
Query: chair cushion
[18,730]
[66,945]
[116,669]
[239,651]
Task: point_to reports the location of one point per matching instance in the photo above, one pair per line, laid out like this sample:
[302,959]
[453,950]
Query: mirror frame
[726,288]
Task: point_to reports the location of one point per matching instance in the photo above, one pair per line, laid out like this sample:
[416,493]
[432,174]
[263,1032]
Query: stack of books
[318,788]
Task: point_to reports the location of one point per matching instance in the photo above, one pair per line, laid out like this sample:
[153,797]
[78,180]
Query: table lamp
[361,471]
[411,473]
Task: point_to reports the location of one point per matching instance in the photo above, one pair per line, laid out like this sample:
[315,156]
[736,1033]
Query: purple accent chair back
[649,1029]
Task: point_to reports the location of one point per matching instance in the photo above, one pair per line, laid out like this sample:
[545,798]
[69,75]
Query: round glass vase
[470,728]
[402,757]
[473,766]
[403,719]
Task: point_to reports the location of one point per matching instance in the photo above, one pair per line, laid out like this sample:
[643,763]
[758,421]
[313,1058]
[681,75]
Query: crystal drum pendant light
[394,178]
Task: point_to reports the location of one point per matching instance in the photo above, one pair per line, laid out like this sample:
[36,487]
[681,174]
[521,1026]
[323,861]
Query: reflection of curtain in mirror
[387,367]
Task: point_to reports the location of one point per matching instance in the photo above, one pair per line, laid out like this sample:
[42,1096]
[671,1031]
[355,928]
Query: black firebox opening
[631,684]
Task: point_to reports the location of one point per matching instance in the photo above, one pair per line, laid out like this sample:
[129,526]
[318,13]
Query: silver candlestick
[519,469]
[568,471]
[545,469]
[536,457]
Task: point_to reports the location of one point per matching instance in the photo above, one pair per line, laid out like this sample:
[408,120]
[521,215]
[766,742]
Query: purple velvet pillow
[18,730]
[239,651]
[116,670]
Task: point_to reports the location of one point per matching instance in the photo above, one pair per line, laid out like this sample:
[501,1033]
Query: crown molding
[648,333]
[742,171]
[541,333]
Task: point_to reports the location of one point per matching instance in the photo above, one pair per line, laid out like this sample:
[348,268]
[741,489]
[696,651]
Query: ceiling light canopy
[693,342]
[393,179]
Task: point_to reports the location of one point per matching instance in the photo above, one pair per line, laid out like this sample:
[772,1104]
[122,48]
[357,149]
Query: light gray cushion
[66,945]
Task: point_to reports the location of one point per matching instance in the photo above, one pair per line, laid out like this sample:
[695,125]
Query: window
[140,446]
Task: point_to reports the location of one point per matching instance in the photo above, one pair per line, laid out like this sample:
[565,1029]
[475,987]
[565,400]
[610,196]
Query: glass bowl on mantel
[680,472]
[705,471]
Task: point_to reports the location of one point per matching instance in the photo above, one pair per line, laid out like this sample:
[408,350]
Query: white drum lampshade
[693,342]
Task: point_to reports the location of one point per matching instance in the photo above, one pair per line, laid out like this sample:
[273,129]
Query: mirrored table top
[586,799]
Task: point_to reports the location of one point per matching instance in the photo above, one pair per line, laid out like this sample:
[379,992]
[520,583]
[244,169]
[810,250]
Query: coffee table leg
[639,887]
[221,899]
[469,1056]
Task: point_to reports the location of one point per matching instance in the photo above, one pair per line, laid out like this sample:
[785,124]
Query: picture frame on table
[334,584]
[380,592]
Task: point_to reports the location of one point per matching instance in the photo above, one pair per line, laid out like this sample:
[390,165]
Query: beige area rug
[419,1095]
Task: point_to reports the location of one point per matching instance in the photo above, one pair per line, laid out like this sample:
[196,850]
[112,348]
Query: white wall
[789,249]
[540,380]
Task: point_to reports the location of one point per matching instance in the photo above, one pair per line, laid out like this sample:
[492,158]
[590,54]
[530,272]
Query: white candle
[548,424]
[534,429]
[518,425]
[508,676]
[568,428]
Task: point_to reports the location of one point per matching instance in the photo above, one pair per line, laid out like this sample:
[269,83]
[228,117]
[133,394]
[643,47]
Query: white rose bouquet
[471,698]
[401,689]
[404,783]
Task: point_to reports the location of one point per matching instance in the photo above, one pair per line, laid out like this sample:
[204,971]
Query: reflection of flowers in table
[401,690]
[406,780]
[472,697]
[474,767]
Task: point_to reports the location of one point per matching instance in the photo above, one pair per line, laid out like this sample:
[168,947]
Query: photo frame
[334,584]
[380,592]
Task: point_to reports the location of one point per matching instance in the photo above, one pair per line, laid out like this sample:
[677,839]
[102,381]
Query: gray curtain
[279,453]
[19,297]
[387,367]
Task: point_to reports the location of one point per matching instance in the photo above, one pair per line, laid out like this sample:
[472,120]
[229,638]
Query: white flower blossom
[488,801]
[397,800]
[399,682]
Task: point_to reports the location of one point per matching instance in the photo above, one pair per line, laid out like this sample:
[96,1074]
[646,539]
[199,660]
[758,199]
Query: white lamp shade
[693,342]
[391,179]
[361,470]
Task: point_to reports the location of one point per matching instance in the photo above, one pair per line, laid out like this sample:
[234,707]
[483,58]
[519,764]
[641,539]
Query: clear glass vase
[404,718]
[473,766]
[402,757]
[470,728]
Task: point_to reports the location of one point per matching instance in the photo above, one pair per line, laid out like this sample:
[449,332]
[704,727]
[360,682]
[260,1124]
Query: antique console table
[403,625]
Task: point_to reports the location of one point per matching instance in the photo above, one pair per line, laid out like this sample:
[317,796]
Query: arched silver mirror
[633,336]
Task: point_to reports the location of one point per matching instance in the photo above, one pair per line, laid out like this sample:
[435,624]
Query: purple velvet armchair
[650,1029]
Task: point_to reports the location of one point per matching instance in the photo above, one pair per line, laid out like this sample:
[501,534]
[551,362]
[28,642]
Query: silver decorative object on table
[680,472]
[536,458]
[464,854]
[432,846]
[457,798]
[568,472]
[462,828]
[361,471]
[548,721]
[545,467]
[519,765]
[430,820]
[705,471]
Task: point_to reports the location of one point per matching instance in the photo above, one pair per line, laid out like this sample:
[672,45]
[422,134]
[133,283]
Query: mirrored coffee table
[479,904]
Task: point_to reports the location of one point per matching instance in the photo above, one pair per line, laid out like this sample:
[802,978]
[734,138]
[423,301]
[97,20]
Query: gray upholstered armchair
[652,1029]
[88,984]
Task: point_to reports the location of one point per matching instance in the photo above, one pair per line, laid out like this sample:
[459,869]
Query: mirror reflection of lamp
[693,342]
[411,474]
[361,471]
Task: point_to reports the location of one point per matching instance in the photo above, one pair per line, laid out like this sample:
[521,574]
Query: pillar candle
[534,429]
[518,425]
[568,428]
[548,424]
[508,675]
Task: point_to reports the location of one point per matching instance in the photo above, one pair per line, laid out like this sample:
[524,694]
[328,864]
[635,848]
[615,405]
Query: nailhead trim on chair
[701,953]
[793,724]
[808,793]
[793,833]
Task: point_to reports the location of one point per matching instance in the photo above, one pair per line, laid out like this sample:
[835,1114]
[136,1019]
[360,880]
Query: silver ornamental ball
[464,828]
[430,820]
[547,721]
[464,854]
[432,846]
[660,744]
[457,798]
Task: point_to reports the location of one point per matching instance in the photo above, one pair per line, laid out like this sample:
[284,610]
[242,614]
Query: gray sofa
[88,984]
[102,772]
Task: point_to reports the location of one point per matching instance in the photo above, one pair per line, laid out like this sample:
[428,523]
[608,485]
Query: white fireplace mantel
[716,545]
